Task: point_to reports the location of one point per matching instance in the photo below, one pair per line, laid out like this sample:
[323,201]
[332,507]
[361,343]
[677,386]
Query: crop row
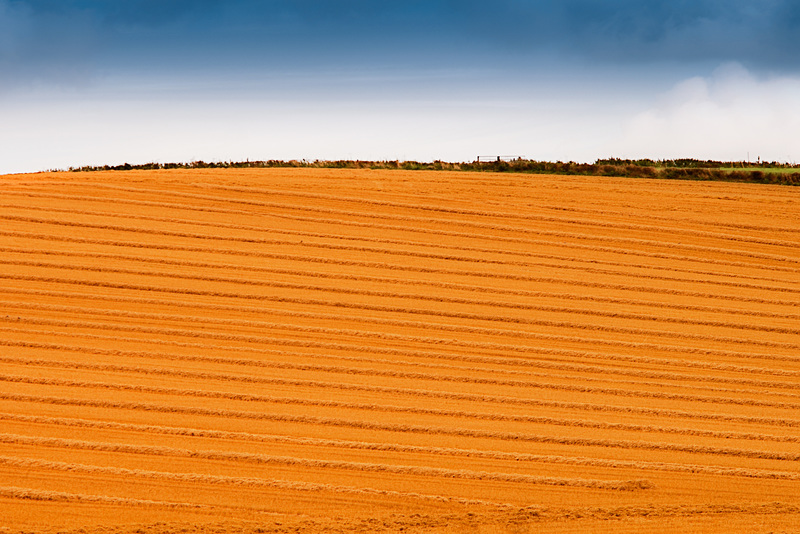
[403,448]
[416,392]
[405,428]
[396,295]
[452,414]
[399,267]
[565,261]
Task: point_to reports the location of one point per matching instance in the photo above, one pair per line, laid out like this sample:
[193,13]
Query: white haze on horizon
[721,116]
[724,116]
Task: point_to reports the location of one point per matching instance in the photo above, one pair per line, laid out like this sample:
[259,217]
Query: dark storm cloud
[762,32]
[44,43]
[72,36]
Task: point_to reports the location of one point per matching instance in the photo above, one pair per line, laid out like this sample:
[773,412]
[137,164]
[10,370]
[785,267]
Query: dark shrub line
[680,169]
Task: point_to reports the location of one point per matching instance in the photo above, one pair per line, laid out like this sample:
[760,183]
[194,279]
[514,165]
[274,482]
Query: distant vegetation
[678,169]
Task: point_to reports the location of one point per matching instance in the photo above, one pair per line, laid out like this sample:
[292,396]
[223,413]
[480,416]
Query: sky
[108,82]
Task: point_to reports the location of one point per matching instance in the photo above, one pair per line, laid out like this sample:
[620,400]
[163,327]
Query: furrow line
[572,353]
[603,212]
[395,267]
[401,448]
[409,282]
[551,243]
[574,423]
[472,397]
[232,337]
[489,226]
[409,296]
[672,219]
[27,494]
[452,379]
[404,428]
[418,243]
[387,335]
[29,463]
[130,201]
[265,459]
[388,251]
[502,214]
[403,374]
[499,399]
[535,243]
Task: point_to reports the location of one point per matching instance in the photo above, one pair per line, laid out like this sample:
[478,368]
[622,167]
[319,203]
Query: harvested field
[323,350]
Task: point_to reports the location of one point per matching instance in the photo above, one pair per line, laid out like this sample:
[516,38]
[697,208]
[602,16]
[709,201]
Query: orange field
[312,350]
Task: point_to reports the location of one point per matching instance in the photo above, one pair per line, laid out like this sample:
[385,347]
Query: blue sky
[96,82]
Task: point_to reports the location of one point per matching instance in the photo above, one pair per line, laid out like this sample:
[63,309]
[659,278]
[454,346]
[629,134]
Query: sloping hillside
[280,350]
